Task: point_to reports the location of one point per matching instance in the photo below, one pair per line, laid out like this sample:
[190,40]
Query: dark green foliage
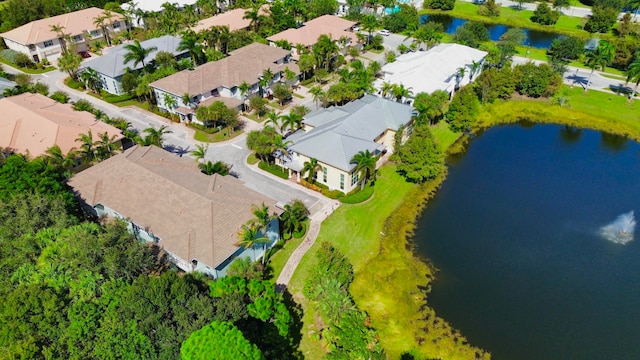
[21,12]
[83,105]
[281,92]
[495,84]
[625,49]
[219,340]
[489,8]
[419,159]
[60,96]
[566,48]
[463,109]
[604,15]
[431,107]
[471,33]
[536,80]
[544,15]
[439,4]
[405,19]
[258,104]
[322,7]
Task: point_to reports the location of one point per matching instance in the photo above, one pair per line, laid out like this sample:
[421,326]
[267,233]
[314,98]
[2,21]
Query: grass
[253,116]
[28,71]
[279,259]
[541,54]
[252,159]
[221,135]
[443,135]
[568,25]
[298,95]
[358,197]
[274,170]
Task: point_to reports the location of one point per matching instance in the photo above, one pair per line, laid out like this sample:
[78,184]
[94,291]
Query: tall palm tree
[190,43]
[105,146]
[366,164]
[317,93]
[91,79]
[273,119]
[154,136]
[249,237]
[100,21]
[263,218]
[369,23]
[289,220]
[291,121]
[88,150]
[244,90]
[137,53]
[311,168]
[633,75]
[200,152]
[386,88]
[599,58]
[255,17]
[325,50]
[400,92]
[59,30]
[473,68]
[54,156]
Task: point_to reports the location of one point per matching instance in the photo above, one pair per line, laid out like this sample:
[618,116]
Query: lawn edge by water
[391,283]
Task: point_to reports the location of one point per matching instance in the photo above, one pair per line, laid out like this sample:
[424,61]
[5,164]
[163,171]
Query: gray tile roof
[341,132]
[112,64]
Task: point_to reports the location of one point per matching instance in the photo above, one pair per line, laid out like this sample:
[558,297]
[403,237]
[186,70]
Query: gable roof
[244,64]
[34,123]
[195,216]
[339,133]
[74,23]
[234,19]
[428,71]
[112,64]
[309,33]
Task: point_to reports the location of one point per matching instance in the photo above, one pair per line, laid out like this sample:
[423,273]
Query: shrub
[83,105]
[536,80]
[463,109]
[495,84]
[471,33]
[566,48]
[41,88]
[22,60]
[489,8]
[74,84]
[9,55]
[544,15]
[439,4]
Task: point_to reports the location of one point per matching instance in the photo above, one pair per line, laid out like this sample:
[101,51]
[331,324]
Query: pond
[536,39]
[515,231]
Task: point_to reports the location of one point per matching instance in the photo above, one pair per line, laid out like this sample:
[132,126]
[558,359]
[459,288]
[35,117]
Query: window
[95,33]
[48,43]
[77,38]
[32,47]
[341,181]
[116,25]
[355,178]
[324,174]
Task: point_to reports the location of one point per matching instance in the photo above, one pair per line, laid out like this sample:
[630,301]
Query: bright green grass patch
[252,159]
[280,258]
[221,135]
[359,196]
[297,95]
[443,135]
[577,3]
[568,25]
[274,169]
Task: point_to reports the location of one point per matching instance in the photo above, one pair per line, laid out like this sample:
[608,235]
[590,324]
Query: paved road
[180,141]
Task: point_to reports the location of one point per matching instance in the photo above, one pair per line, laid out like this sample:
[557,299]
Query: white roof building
[435,69]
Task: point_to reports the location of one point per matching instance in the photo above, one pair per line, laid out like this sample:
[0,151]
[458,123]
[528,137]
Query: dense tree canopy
[419,159]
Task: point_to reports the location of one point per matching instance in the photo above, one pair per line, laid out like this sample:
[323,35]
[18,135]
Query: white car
[384,32]
[356,29]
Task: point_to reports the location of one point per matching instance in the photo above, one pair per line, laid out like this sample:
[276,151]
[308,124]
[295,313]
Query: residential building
[307,35]
[6,84]
[111,66]
[234,19]
[334,135]
[152,6]
[38,41]
[439,68]
[32,123]
[166,200]
[220,80]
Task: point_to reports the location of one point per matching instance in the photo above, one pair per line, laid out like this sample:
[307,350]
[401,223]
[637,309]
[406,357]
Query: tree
[291,121]
[471,33]
[489,8]
[366,164]
[244,90]
[105,146]
[633,75]
[154,136]
[463,109]
[91,79]
[219,167]
[273,120]
[324,51]
[431,107]
[495,84]
[429,34]
[255,17]
[88,150]
[604,14]
[400,92]
[190,43]
[544,15]
[289,220]
[59,30]
[306,64]
[566,48]
[317,93]
[55,157]
[70,62]
[200,152]
[281,92]
[599,58]
[419,159]
[561,4]
[249,236]
[137,53]
[259,105]
[311,168]
[536,80]
[262,142]
[99,21]
[439,4]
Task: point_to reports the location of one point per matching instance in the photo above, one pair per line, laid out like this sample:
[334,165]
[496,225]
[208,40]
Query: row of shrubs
[355,196]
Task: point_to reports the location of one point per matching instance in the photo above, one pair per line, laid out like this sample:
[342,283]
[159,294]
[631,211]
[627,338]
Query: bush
[471,33]
[536,80]
[463,109]
[74,84]
[9,55]
[83,105]
[22,60]
[566,48]
[113,99]
[406,18]
[41,88]
[544,15]
[489,8]
[602,19]
[439,4]
[495,84]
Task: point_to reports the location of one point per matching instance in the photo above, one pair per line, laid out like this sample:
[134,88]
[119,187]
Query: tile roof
[244,64]
[112,64]
[338,133]
[34,123]
[435,69]
[74,23]
[195,216]
[309,33]
[234,19]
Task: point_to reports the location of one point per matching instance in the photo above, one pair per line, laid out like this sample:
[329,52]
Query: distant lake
[536,39]
[514,230]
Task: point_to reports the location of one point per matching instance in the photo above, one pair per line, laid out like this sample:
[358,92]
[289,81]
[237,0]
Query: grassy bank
[567,25]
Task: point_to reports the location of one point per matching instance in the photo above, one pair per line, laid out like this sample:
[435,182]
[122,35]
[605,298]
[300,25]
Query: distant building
[438,68]
[111,66]
[334,135]
[219,80]
[39,42]
[166,200]
[32,123]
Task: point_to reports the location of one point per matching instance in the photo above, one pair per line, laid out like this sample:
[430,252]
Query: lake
[514,231]
[536,39]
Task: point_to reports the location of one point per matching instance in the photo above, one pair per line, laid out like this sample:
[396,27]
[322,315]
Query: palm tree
[311,168]
[249,237]
[292,121]
[200,152]
[324,50]
[154,136]
[400,92]
[317,93]
[244,89]
[88,150]
[273,119]
[473,68]
[254,16]
[105,146]
[219,167]
[70,62]
[99,21]
[633,75]
[261,212]
[137,53]
[289,220]
[369,23]
[365,163]
[169,101]
[91,79]
[59,30]
[55,157]
[460,75]
[189,42]
[386,88]
[599,58]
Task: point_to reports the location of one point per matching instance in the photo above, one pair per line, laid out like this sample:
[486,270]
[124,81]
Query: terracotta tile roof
[195,216]
[244,64]
[34,123]
[309,33]
[234,19]
[40,30]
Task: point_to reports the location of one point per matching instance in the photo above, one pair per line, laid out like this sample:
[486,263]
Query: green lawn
[221,135]
[279,259]
[28,71]
[541,54]
[568,25]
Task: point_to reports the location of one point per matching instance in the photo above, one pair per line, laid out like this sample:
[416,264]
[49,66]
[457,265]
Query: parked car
[384,32]
[84,54]
[356,28]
